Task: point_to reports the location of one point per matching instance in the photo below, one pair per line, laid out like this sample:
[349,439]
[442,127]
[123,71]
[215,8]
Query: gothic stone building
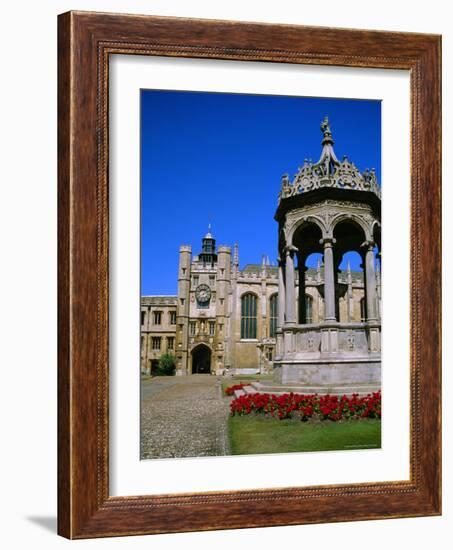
[224,319]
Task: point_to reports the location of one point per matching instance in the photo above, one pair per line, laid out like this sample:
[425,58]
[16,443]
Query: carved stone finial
[328,172]
[325,127]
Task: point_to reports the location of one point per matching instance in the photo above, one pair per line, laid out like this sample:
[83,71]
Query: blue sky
[218,158]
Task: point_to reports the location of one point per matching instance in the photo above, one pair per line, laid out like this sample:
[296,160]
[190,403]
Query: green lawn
[258,435]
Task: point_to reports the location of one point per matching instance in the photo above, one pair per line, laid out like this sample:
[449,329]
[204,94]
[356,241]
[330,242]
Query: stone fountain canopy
[329,207]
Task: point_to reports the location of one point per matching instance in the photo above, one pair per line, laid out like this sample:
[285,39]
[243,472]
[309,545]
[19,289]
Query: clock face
[203,293]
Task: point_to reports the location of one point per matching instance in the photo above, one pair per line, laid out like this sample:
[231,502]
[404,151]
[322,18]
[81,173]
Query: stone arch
[305,221]
[201,357]
[349,233]
[306,237]
[355,219]
[247,291]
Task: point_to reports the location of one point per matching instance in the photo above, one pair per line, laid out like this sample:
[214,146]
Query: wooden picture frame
[85,42]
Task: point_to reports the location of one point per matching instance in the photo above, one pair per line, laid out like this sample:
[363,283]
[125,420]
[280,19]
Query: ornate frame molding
[85,41]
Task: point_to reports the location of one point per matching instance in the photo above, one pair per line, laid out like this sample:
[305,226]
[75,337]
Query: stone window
[196,280]
[211,279]
[157,317]
[172,317]
[248,316]
[142,317]
[308,308]
[156,341]
[211,328]
[192,327]
[273,310]
[170,343]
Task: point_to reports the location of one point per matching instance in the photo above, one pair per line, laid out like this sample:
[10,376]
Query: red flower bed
[294,405]
[231,389]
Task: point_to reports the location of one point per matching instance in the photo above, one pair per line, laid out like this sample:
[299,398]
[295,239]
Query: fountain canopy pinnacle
[340,177]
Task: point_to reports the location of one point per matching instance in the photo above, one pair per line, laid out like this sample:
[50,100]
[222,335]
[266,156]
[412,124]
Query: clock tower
[203,308]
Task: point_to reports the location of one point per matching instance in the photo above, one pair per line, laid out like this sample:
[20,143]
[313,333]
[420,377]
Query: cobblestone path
[183,416]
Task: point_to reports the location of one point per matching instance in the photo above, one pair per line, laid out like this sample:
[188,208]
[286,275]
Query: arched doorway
[154,367]
[201,360]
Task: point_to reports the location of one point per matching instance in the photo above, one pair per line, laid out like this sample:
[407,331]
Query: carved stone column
[281,294]
[319,301]
[336,272]
[301,299]
[290,286]
[370,281]
[329,279]
[378,286]
[350,297]
[281,309]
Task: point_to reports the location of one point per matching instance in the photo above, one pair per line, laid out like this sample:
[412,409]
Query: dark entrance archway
[154,367]
[201,360]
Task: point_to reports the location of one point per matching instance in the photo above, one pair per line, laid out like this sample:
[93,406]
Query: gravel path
[183,417]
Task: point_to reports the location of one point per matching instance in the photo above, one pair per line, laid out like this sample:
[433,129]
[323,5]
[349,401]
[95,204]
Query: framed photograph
[232,350]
